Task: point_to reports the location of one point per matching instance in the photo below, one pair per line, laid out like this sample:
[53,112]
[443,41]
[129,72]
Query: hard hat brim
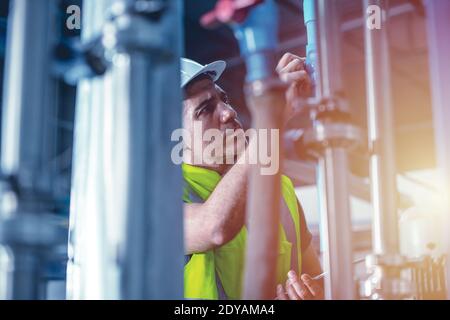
[214,69]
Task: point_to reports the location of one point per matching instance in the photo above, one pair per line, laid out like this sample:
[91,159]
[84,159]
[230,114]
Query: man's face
[206,104]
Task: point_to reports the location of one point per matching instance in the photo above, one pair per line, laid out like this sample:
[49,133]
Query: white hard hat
[191,69]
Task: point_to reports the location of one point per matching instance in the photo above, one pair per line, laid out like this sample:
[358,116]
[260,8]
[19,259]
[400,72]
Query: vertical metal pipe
[310,18]
[127,235]
[322,22]
[28,140]
[329,77]
[438,23]
[91,271]
[152,265]
[335,225]
[28,135]
[381,137]
[257,38]
[26,275]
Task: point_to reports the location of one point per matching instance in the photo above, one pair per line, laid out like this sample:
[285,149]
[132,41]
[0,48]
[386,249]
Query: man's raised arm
[218,220]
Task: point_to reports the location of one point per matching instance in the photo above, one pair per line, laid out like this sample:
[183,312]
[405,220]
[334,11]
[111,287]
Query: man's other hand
[303,288]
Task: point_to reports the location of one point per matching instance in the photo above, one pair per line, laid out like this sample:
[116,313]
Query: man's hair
[203,76]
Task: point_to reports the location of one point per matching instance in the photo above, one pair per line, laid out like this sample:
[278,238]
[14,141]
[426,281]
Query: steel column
[438,23]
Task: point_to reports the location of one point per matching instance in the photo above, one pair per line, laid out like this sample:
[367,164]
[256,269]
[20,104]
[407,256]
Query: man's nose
[227,114]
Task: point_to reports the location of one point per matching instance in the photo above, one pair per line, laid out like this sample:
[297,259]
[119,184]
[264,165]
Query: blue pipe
[258,38]
[310,18]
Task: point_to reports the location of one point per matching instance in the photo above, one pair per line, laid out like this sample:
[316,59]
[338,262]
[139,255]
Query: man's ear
[184,108]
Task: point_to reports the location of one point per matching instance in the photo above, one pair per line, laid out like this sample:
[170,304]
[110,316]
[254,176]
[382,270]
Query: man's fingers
[296,64]
[291,77]
[301,290]
[281,295]
[285,59]
[313,286]
[291,291]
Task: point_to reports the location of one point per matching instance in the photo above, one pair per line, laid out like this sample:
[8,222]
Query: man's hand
[292,71]
[303,288]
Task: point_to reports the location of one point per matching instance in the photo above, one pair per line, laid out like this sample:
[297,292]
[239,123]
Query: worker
[215,198]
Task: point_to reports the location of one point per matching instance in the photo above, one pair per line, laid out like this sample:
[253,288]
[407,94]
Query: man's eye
[205,110]
[225,99]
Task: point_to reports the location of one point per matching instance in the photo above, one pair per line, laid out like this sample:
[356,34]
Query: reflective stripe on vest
[228,260]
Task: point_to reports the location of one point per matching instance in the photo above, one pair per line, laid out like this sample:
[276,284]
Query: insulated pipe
[438,24]
[257,38]
[381,137]
[323,53]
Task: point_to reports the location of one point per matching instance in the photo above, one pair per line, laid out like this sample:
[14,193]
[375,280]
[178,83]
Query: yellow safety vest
[228,260]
